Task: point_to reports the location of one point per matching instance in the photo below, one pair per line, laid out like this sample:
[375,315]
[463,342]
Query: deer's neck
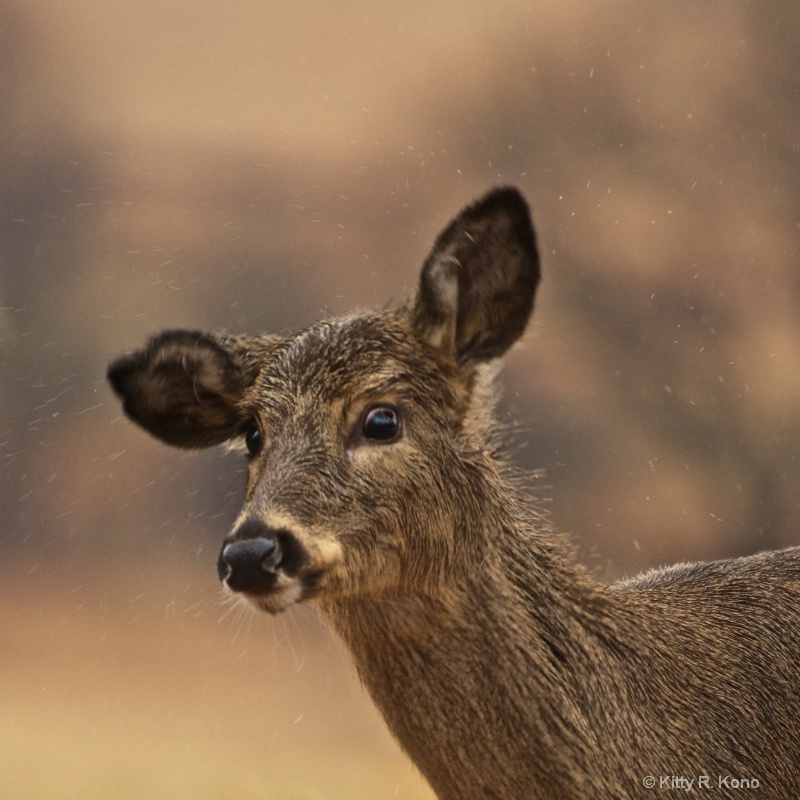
[486,676]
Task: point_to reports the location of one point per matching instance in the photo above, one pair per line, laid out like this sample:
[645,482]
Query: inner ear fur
[184,387]
[478,284]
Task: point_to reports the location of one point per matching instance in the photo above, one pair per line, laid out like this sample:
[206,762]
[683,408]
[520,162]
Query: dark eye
[382,424]
[252,439]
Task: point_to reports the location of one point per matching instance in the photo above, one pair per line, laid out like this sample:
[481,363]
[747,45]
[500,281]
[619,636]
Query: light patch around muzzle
[311,556]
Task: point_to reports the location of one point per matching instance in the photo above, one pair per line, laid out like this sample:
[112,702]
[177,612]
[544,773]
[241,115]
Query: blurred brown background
[252,165]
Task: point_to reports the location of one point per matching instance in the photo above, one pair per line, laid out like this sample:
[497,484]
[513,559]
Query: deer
[379,491]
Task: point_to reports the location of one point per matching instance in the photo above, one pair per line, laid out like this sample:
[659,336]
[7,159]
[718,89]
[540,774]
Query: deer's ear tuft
[478,284]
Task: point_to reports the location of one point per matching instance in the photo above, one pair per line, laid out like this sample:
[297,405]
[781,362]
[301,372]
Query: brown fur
[502,668]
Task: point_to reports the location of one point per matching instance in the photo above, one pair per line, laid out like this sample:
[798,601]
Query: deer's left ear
[477,286]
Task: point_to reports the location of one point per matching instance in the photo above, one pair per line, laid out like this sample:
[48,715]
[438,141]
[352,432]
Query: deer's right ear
[184,387]
[477,286]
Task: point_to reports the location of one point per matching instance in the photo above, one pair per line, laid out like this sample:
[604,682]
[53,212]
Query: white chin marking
[279,599]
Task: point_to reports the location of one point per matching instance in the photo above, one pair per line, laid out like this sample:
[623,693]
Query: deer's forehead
[341,357]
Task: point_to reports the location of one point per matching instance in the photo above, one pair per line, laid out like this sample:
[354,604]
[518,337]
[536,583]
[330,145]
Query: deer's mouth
[285,592]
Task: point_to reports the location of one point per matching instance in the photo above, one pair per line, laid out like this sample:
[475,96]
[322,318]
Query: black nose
[249,565]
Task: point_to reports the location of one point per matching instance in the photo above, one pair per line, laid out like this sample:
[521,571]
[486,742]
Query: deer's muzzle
[250,565]
[257,559]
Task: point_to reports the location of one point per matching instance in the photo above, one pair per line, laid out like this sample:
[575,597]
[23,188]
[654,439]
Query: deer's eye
[382,424]
[252,438]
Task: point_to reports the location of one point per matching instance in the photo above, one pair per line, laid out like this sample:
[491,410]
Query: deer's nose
[249,565]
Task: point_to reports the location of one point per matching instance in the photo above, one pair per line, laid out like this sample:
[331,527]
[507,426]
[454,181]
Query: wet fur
[503,669]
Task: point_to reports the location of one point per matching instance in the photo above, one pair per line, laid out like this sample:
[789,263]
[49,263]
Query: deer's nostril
[224,569]
[249,565]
